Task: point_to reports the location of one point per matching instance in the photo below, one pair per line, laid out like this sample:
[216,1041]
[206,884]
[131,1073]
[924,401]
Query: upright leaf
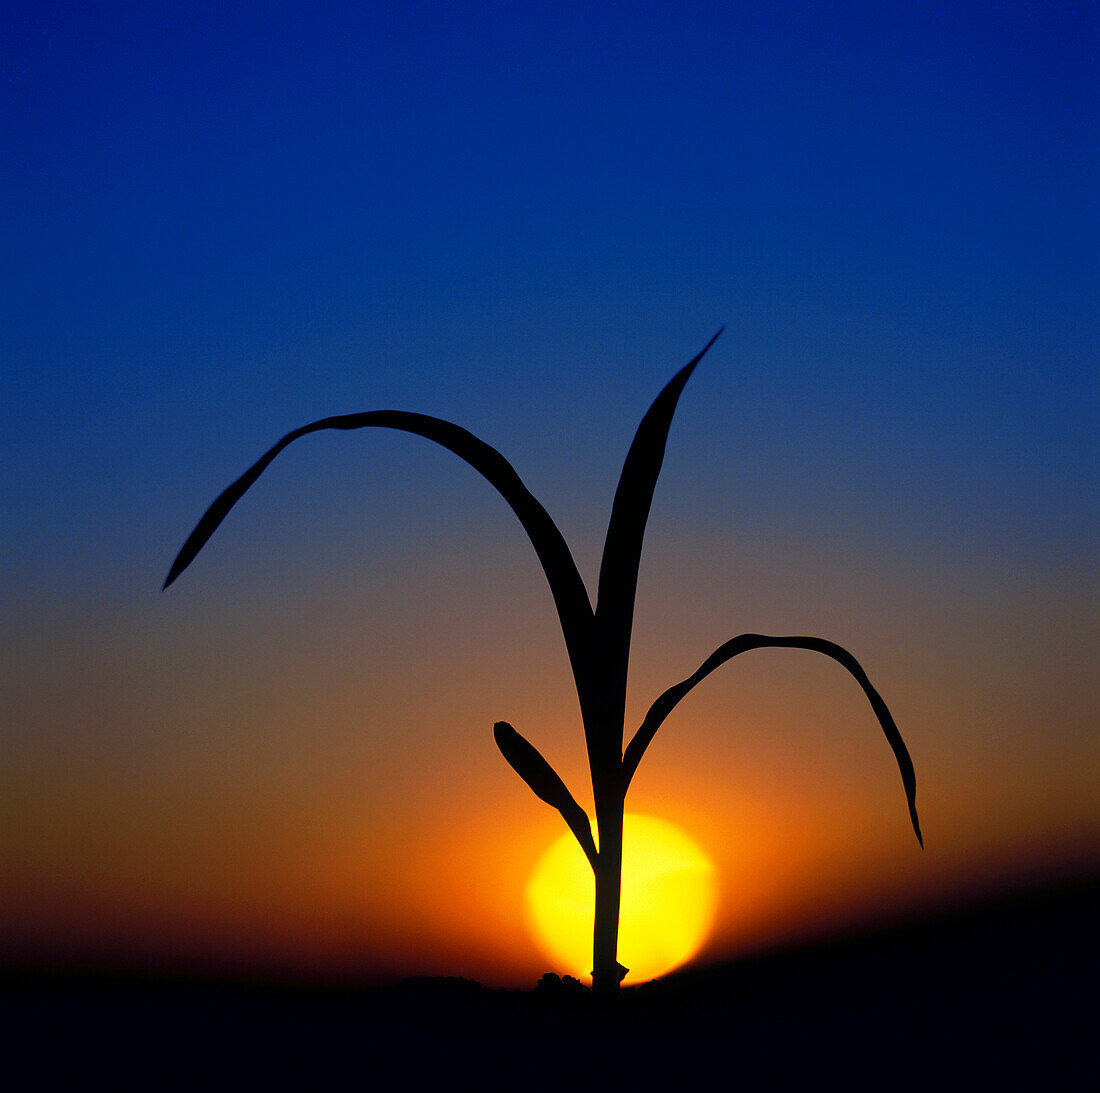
[622,550]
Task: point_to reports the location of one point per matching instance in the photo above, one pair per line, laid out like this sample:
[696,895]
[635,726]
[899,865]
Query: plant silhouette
[597,641]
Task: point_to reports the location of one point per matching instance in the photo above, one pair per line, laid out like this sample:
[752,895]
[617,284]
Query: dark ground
[999,996]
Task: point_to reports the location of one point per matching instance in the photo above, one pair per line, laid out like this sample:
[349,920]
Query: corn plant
[597,641]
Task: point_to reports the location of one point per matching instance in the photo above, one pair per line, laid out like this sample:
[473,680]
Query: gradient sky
[222,221]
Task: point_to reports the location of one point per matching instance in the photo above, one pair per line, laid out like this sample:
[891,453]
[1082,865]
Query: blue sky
[280,210]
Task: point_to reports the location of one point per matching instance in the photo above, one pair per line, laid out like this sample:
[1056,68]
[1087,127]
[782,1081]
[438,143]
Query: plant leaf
[667,701]
[525,759]
[566,586]
[622,550]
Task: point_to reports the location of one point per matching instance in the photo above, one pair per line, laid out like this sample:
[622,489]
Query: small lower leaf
[526,760]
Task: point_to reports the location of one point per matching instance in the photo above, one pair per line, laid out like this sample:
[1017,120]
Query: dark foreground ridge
[1001,996]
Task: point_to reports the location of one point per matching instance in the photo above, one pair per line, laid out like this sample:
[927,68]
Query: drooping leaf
[622,550]
[667,701]
[566,586]
[526,760]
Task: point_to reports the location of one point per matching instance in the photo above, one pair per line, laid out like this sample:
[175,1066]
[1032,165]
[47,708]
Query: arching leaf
[566,586]
[667,701]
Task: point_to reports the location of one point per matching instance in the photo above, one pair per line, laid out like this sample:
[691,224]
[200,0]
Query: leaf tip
[178,566]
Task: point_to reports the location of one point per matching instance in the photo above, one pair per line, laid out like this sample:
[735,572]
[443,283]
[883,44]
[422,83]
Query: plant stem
[607,972]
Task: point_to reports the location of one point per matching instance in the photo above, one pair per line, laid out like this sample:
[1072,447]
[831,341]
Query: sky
[223,221]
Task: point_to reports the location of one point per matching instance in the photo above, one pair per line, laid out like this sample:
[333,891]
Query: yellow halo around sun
[668,901]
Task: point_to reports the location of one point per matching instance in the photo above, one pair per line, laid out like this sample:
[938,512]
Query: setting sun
[668,901]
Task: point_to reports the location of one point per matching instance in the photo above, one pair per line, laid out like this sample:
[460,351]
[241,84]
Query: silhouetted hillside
[998,996]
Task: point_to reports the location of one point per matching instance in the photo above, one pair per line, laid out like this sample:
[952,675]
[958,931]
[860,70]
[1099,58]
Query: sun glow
[668,901]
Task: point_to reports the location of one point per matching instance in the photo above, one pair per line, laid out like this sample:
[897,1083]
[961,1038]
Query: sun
[668,901]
